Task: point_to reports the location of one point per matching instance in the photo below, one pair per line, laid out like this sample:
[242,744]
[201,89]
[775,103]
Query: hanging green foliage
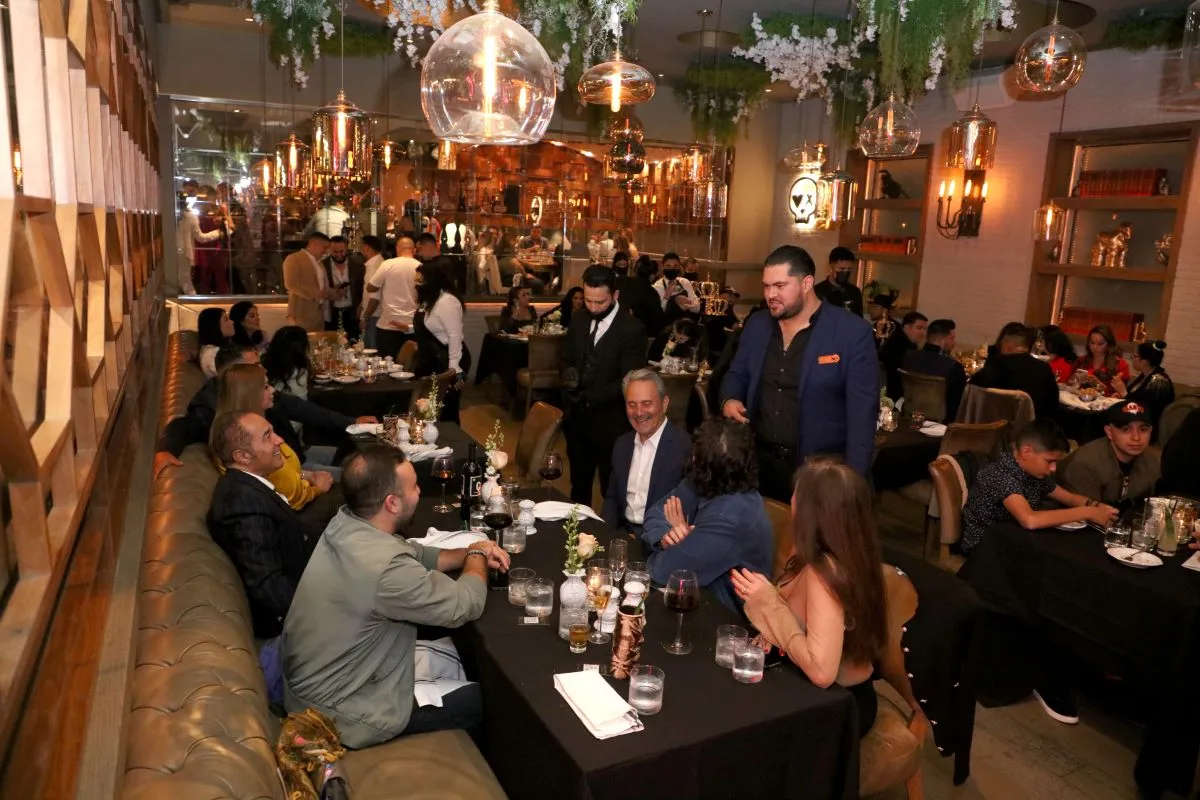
[362,39]
[1146,28]
[720,93]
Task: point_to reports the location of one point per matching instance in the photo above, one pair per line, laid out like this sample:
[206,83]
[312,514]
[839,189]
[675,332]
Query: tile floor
[1018,751]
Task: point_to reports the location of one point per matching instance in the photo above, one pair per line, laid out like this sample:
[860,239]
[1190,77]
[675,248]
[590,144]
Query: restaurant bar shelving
[1137,175]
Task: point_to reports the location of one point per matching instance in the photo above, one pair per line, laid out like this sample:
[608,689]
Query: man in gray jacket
[350,635]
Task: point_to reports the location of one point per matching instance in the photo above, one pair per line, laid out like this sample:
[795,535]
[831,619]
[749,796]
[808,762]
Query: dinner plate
[1141,560]
[400,375]
[1072,526]
[369,351]
[347,379]
[322,378]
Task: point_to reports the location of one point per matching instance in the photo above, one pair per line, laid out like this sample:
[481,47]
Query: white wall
[983,283]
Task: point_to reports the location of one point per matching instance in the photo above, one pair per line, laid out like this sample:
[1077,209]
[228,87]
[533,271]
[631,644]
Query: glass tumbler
[1117,534]
[748,662]
[646,689]
[539,598]
[729,639]
[518,577]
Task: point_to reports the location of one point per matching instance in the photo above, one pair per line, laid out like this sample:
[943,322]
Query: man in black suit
[1014,368]
[934,359]
[344,273]
[640,297]
[908,336]
[603,345]
[838,289]
[253,523]
[649,461]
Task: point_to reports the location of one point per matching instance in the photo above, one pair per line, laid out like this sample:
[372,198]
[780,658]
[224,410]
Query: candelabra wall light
[966,220]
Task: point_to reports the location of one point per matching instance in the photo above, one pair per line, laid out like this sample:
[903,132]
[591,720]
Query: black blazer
[265,540]
[670,460]
[620,350]
[1023,372]
[637,295]
[930,360]
[357,272]
[892,354]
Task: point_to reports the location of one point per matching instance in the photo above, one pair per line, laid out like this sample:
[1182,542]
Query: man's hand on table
[1101,514]
[497,556]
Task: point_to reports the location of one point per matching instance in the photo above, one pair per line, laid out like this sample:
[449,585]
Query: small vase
[572,597]
[431,433]
[627,643]
[491,486]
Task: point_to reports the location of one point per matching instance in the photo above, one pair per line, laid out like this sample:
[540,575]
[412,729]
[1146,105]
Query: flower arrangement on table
[552,322]
[580,546]
[494,447]
[429,409]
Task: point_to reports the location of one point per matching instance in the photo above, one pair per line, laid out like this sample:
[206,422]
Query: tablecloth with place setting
[361,399]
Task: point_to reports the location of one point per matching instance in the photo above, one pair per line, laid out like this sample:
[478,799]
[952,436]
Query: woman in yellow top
[244,387]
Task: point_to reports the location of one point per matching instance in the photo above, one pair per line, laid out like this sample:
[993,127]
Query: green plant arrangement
[1146,28]
[721,93]
[579,546]
[296,30]
[363,39]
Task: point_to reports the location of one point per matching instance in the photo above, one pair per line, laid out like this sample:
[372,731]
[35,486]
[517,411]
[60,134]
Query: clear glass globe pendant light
[1051,59]
[487,80]
[618,82]
[889,130]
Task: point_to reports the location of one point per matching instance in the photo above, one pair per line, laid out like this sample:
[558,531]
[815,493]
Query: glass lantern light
[627,157]
[487,80]
[341,148]
[292,165]
[616,83]
[387,153]
[260,176]
[1050,60]
[709,198]
[889,130]
[837,199]
[803,158]
[629,127]
[1049,223]
[972,142]
[1191,45]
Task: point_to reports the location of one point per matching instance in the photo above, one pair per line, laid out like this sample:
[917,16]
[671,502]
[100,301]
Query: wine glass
[551,470]
[683,595]
[618,553]
[600,579]
[443,471]
[497,515]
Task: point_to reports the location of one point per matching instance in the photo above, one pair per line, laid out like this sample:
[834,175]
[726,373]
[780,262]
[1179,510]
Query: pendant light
[293,164]
[837,190]
[261,172]
[1051,59]
[704,170]
[618,82]
[1049,221]
[341,141]
[387,151]
[972,142]
[487,80]
[890,129]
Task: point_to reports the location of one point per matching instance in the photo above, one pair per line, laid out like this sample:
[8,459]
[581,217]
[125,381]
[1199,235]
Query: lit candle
[941,190]
[951,190]
[985,190]
[967,189]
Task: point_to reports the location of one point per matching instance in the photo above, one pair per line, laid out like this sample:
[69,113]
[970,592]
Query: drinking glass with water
[748,662]
[646,689]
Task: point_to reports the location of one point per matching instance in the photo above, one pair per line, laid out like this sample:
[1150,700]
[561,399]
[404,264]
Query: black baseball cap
[1127,411]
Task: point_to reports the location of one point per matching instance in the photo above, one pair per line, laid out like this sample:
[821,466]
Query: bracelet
[475,552]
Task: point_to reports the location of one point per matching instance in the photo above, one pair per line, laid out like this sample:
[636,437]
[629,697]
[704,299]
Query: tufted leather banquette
[200,727]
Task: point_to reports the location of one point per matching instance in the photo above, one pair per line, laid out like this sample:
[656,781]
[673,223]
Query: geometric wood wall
[80,247]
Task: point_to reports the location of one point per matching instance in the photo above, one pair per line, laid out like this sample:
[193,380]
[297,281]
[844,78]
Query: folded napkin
[598,706]
[424,452]
[360,428]
[1193,562]
[554,510]
[449,540]
[933,429]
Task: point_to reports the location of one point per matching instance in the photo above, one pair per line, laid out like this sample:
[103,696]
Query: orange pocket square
[833,358]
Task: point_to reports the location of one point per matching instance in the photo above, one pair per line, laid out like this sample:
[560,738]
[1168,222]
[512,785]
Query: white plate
[1072,526]
[934,429]
[400,375]
[1140,561]
[347,379]
[322,378]
[369,351]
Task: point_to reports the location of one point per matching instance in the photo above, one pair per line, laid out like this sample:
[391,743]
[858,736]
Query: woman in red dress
[1103,358]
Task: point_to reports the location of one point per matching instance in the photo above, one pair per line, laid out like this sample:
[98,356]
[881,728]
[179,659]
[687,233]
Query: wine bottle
[471,474]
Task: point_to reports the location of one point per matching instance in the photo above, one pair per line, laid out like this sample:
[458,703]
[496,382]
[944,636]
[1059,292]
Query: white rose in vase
[498,459]
[586,546]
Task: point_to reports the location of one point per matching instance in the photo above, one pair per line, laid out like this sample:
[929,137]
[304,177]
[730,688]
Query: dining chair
[538,435]
[702,396]
[950,493]
[407,356]
[780,515]
[679,392]
[1174,415]
[443,381]
[493,323]
[991,405]
[544,370]
[926,393]
[890,753]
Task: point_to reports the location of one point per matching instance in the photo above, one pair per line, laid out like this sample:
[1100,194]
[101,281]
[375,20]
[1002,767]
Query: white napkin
[424,452]
[598,706]
[555,510]
[368,427]
[933,429]
[449,540]
[1193,562]
[437,671]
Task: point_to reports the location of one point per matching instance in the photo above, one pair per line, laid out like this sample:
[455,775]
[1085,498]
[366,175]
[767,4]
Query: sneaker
[1058,706]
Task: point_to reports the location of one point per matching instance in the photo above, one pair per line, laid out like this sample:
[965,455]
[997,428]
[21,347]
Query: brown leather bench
[199,724]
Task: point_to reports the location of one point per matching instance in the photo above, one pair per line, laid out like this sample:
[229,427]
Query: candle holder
[966,220]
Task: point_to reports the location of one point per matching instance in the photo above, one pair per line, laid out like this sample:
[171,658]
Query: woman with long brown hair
[828,611]
[1103,358]
[244,388]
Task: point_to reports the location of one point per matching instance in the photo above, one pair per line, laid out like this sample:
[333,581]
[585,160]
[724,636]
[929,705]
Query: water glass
[646,689]
[514,539]
[539,598]
[477,523]
[618,553]
[517,580]
[577,636]
[748,662]
[1117,534]
[1142,538]
[729,639]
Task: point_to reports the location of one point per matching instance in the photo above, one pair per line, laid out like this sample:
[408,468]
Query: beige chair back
[493,323]
[1174,415]
[538,435]
[679,390]
[926,393]
[780,515]
[947,487]
[407,356]
[444,382]
[546,352]
[987,438]
[993,405]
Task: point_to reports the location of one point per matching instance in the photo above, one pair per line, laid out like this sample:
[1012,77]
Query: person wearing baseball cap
[1121,468]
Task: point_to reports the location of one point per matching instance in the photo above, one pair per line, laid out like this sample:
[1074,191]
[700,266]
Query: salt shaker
[526,518]
[608,620]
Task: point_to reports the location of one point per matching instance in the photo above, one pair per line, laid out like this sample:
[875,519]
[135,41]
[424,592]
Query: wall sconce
[966,221]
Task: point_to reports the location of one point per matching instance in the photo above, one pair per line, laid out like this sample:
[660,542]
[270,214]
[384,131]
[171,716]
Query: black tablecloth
[1142,625]
[1082,426]
[386,395]
[502,356]
[902,457]
[449,435]
[714,738]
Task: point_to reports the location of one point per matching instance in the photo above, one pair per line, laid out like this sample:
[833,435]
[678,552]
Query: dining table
[1082,420]
[502,355]
[384,395]
[1139,625]
[714,737]
[902,456]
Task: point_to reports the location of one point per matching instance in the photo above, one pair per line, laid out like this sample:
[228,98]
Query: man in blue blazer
[649,461]
[805,377]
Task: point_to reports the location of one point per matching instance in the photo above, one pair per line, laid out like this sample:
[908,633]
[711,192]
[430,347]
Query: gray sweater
[349,637]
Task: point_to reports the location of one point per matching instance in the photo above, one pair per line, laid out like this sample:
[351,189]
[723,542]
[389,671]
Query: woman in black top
[517,313]
[1150,386]
[569,306]
[247,329]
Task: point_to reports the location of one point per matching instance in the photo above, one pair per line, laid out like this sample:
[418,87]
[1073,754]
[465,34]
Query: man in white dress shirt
[672,287]
[189,235]
[372,250]
[649,461]
[392,291]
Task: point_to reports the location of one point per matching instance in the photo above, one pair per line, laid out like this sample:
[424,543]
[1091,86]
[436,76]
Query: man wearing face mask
[603,345]
[344,275]
[675,292]
[805,377]
[838,289]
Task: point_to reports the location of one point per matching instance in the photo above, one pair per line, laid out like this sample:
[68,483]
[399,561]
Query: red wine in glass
[551,470]
[682,602]
[497,520]
[682,596]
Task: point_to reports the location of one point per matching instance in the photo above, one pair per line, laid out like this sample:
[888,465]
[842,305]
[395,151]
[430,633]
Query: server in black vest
[602,346]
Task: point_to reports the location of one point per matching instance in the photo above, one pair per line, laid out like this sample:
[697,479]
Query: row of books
[1122,183]
[1080,321]
[901,245]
